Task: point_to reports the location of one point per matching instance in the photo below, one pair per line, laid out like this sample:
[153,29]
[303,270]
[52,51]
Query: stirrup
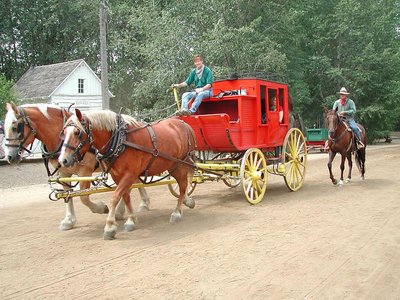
[360,145]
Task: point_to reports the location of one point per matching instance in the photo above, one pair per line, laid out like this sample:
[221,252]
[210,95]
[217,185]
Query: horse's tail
[360,160]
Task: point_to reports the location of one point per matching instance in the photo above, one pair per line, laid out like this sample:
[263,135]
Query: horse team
[81,144]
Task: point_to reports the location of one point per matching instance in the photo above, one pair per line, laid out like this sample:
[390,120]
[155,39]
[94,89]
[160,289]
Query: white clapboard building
[66,83]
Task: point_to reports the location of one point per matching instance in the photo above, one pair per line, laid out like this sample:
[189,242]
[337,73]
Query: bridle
[109,152]
[21,132]
[332,132]
[87,129]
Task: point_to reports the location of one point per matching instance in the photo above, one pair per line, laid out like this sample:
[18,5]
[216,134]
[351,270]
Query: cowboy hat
[343,91]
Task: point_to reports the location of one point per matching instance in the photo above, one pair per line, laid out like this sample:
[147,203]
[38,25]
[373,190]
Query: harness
[188,159]
[114,146]
[118,143]
[47,155]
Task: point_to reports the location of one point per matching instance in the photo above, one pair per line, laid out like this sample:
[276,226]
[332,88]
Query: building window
[80,86]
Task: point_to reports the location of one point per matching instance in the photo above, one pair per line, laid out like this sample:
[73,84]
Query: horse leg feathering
[69,220]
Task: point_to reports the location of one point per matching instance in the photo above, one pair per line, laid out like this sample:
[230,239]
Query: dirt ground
[321,242]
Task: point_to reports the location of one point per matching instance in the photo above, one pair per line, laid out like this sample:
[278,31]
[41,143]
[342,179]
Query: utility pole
[103,56]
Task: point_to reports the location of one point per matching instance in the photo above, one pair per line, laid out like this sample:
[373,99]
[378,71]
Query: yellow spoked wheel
[231,181]
[253,173]
[174,189]
[294,159]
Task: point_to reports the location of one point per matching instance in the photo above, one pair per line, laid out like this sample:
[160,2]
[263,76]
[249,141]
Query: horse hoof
[129,227]
[189,202]
[66,225]
[106,210]
[362,178]
[340,184]
[347,180]
[109,235]
[143,208]
[175,217]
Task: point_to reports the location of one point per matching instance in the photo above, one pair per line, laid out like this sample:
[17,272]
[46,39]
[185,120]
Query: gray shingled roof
[41,81]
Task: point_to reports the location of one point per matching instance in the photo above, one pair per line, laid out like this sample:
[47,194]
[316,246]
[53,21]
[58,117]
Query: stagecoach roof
[42,81]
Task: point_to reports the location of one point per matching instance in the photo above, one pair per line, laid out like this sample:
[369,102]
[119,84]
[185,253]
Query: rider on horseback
[346,109]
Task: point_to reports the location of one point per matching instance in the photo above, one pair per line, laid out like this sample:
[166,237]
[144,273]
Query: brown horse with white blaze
[45,122]
[142,150]
[341,140]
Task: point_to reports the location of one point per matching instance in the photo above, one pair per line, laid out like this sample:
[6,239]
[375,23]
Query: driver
[202,78]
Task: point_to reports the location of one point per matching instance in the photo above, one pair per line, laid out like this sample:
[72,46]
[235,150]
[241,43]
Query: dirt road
[322,242]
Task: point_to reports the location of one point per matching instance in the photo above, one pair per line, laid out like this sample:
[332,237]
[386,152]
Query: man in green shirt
[202,78]
[346,108]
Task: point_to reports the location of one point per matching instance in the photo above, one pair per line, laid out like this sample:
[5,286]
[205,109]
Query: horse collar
[115,146]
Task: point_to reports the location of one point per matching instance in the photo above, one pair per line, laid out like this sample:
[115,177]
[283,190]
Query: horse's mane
[42,107]
[106,119]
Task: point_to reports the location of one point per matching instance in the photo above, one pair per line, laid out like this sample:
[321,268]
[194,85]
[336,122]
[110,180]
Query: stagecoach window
[271,95]
[263,106]
[80,86]
[280,97]
[281,102]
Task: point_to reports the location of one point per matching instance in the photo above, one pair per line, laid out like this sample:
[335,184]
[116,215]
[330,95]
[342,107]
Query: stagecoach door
[272,105]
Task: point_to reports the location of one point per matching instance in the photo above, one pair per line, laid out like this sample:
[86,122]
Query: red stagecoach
[239,125]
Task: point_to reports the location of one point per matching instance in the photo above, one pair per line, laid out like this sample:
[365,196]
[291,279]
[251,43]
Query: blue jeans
[186,97]
[354,127]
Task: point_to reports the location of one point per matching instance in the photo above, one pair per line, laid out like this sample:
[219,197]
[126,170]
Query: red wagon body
[233,123]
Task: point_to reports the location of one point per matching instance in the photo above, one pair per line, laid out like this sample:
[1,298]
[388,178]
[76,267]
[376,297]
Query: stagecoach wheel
[231,181]
[253,174]
[294,159]
[174,189]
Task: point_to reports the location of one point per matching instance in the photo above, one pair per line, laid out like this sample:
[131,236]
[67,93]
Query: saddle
[358,144]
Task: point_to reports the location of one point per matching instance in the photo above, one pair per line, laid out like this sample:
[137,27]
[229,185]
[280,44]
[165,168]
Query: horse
[134,151]
[45,122]
[342,140]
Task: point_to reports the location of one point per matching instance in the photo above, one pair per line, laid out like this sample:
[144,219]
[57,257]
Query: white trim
[69,75]
[65,79]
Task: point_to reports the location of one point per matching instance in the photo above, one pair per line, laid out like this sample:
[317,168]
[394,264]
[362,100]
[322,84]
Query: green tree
[354,44]
[41,32]
[6,94]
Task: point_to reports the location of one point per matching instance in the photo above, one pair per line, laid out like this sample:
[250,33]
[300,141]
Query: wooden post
[103,57]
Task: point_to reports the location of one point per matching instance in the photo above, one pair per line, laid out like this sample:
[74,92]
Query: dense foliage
[6,95]
[316,46]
